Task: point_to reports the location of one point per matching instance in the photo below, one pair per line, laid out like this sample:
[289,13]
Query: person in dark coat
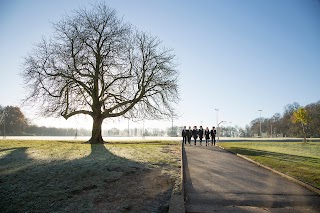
[184,135]
[200,133]
[213,133]
[189,134]
[195,134]
[207,135]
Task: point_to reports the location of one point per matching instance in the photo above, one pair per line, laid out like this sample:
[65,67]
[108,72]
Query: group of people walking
[187,134]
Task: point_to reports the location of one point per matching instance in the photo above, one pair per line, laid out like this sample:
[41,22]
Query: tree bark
[304,134]
[96,136]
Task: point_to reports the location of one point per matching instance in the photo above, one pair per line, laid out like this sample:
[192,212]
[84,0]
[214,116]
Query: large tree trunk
[96,136]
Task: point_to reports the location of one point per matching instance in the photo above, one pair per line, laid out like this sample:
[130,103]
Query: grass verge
[70,176]
[296,159]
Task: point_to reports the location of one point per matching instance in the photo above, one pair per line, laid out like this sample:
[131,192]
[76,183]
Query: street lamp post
[76,134]
[260,110]
[172,126]
[218,128]
[143,129]
[128,127]
[217,110]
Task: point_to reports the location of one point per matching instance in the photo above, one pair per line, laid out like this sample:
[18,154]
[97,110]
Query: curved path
[219,181]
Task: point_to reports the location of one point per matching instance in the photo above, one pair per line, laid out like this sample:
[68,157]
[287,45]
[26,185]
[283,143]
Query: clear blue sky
[237,56]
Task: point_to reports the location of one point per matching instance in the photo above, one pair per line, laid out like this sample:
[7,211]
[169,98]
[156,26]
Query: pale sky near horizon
[237,56]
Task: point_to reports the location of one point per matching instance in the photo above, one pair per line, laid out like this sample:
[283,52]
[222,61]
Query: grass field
[296,159]
[70,176]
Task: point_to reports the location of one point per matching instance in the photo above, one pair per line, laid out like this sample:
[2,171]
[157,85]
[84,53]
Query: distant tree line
[283,125]
[137,132]
[13,122]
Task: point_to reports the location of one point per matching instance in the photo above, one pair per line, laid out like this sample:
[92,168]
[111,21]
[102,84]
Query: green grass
[296,159]
[71,176]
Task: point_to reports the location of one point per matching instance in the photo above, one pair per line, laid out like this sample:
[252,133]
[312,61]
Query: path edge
[308,186]
[177,200]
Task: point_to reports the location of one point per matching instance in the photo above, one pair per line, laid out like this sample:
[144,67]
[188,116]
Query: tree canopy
[12,120]
[97,65]
[301,116]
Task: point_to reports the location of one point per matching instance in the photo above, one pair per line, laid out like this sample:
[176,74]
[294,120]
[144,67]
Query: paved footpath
[219,181]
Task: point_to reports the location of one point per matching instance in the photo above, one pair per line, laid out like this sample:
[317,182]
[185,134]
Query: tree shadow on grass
[99,182]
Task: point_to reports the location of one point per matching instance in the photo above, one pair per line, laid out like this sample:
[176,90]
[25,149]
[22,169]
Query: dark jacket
[184,133]
[200,133]
[207,134]
[189,133]
[213,133]
[195,133]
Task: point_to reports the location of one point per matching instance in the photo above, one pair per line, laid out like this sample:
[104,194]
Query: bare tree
[99,66]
